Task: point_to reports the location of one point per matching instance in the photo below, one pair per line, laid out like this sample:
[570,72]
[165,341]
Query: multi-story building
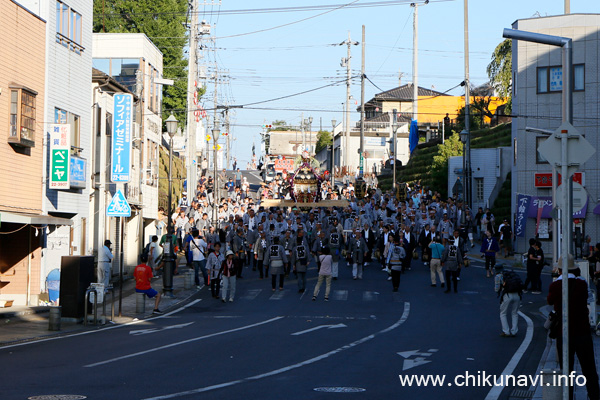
[132,61]
[67,102]
[537,100]
[22,101]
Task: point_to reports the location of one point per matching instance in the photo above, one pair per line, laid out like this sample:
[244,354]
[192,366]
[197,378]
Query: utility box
[76,275]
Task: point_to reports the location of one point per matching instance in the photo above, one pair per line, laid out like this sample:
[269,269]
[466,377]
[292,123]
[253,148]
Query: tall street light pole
[170,260]
[394,131]
[467,155]
[215,134]
[362,106]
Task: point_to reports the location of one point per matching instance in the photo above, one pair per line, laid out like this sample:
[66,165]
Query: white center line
[139,353]
[290,367]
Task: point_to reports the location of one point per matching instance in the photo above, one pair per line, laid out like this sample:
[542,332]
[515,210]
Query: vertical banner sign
[60,151]
[121,141]
[523,201]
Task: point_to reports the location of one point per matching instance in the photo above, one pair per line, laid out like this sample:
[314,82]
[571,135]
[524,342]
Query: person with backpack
[508,286]
[489,248]
[452,260]
[300,262]
[395,258]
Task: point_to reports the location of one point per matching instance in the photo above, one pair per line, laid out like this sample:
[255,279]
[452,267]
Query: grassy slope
[419,166]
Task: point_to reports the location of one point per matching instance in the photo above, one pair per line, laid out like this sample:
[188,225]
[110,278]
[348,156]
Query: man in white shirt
[154,254]
[199,248]
[105,257]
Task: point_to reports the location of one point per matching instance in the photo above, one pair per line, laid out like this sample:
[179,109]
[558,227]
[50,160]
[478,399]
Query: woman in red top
[228,273]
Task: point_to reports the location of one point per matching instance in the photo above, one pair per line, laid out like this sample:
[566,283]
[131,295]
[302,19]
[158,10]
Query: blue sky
[302,56]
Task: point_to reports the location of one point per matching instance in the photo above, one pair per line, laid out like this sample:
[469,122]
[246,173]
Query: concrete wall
[544,110]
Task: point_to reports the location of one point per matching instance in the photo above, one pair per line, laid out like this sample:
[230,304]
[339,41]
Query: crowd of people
[227,239]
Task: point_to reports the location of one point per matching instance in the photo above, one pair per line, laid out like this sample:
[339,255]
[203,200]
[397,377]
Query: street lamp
[170,259]
[333,123]
[394,131]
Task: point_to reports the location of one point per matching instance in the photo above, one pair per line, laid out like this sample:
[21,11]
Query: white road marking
[137,321]
[251,294]
[340,295]
[277,295]
[370,296]
[154,330]
[406,354]
[495,391]
[319,327]
[408,363]
[182,342]
[290,367]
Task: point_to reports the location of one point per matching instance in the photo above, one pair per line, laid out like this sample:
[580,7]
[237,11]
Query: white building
[537,100]
[378,143]
[133,61]
[490,167]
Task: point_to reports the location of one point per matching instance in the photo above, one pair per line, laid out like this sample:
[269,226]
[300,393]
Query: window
[550,79]
[22,117]
[124,70]
[479,190]
[65,117]
[539,159]
[68,27]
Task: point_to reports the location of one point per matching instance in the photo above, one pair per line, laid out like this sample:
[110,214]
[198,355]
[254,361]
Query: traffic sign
[118,206]
[579,150]
[580,197]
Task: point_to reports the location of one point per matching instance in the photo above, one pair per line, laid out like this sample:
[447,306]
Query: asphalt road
[282,345]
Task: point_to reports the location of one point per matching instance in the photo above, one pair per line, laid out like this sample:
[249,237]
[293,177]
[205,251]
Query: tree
[476,120]
[163,22]
[324,139]
[500,71]
[439,168]
[280,125]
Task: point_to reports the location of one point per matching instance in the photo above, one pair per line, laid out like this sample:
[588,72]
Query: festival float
[304,186]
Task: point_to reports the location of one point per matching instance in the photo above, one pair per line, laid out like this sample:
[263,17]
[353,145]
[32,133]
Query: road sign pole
[122,224]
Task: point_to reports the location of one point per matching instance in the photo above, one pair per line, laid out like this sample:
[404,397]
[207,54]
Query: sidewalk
[21,323]
[550,361]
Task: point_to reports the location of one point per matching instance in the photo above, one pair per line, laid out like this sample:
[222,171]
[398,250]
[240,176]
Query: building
[490,168]
[378,143]
[537,100]
[432,105]
[290,143]
[22,102]
[133,64]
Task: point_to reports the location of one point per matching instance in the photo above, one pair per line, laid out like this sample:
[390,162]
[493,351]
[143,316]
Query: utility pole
[192,168]
[567,6]
[467,155]
[227,139]
[303,135]
[415,65]
[215,116]
[362,105]
[346,63]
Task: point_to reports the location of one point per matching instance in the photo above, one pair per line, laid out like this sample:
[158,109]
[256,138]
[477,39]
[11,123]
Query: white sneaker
[231,300]
[389,278]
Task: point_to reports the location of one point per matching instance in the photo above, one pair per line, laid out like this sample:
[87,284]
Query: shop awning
[20,218]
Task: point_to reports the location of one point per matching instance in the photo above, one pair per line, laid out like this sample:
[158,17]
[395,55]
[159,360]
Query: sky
[306,55]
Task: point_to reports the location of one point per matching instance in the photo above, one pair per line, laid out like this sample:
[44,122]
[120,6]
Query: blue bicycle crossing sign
[118,206]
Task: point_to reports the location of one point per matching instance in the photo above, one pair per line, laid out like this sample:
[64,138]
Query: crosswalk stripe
[370,296]
[277,295]
[251,294]
[340,295]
